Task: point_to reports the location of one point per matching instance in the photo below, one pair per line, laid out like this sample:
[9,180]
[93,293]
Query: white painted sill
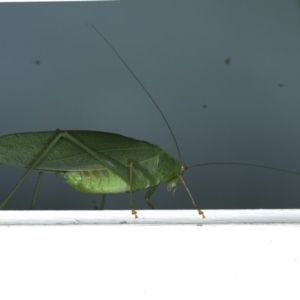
[232,254]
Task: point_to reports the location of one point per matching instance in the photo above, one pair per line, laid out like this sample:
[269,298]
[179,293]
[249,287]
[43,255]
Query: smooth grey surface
[55,72]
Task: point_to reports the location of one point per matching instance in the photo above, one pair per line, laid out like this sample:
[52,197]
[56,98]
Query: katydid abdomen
[104,181]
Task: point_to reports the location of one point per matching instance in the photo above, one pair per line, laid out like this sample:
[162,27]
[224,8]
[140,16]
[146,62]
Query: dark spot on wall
[227,61]
[36,62]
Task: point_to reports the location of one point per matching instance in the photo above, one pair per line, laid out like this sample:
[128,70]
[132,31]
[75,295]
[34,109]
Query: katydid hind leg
[36,190]
[15,188]
[32,167]
[110,163]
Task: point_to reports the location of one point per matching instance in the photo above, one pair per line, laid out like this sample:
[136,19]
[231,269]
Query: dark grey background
[178,50]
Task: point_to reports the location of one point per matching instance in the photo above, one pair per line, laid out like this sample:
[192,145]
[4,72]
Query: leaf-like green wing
[21,149]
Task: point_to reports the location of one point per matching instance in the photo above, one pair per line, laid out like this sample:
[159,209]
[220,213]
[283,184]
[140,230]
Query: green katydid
[92,161]
[96,162]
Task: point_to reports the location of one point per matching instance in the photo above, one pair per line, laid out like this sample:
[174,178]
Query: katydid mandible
[97,162]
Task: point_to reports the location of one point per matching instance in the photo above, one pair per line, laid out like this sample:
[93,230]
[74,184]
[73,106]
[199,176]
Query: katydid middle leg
[148,195]
[102,203]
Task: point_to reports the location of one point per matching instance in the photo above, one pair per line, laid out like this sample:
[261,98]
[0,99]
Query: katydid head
[175,178]
[169,169]
[170,172]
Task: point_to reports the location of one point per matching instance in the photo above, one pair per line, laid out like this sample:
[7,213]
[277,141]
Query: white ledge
[232,254]
[150,217]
